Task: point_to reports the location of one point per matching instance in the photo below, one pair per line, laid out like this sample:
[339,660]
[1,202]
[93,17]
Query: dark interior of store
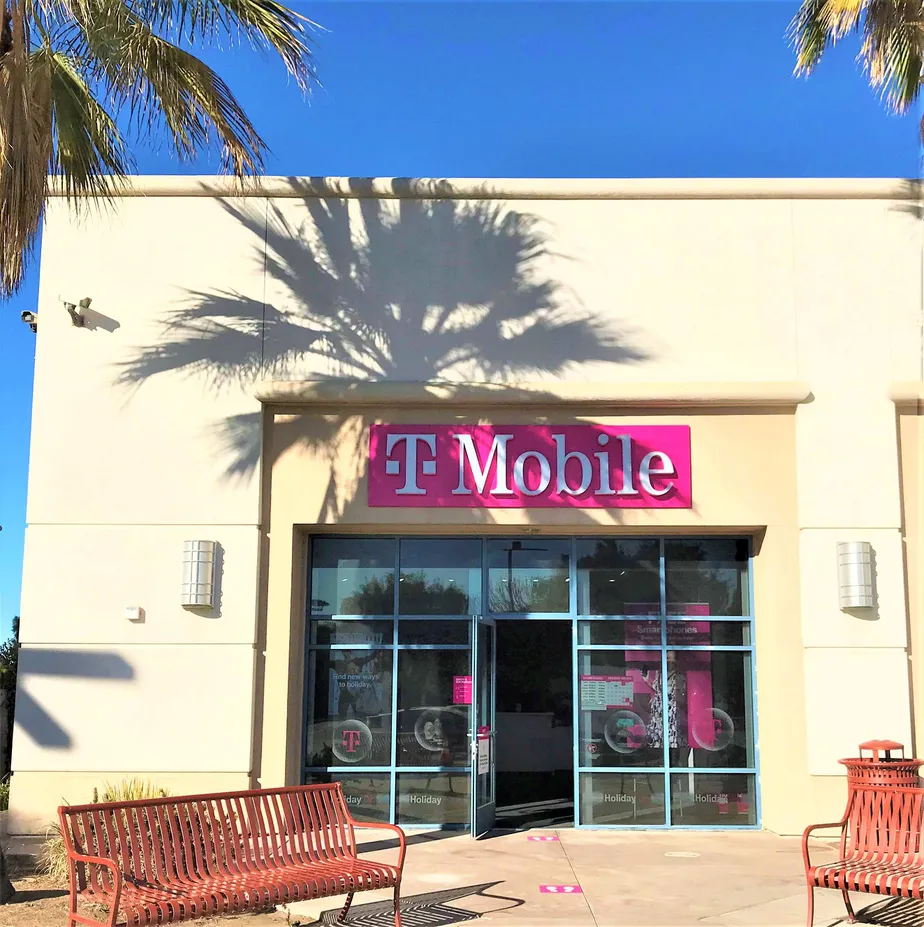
[534,725]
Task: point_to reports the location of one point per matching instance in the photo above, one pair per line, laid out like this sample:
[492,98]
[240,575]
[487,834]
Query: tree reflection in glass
[528,576]
[440,576]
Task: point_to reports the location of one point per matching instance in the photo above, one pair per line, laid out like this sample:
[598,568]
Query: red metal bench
[180,858]
[881,851]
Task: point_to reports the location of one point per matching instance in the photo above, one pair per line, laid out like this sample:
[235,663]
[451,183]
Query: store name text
[526,466]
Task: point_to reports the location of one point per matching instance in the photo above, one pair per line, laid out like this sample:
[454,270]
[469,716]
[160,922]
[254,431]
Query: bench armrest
[842,824]
[106,863]
[402,840]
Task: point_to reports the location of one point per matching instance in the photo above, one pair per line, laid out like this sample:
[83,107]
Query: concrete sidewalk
[641,879]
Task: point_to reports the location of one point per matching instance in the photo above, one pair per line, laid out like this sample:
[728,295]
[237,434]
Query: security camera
[76,318]
[30,318]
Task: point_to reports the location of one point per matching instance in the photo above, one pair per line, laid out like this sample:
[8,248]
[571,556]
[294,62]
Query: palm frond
[819,24]
[89,153]
[892,46]
[263,24]
[25,151]
[162,86]
[97,65]
[892,49]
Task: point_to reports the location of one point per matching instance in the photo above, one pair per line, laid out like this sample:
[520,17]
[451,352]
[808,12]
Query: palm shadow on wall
[427,290]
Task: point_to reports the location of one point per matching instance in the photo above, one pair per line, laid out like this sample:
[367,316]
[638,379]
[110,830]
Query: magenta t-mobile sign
[530,466]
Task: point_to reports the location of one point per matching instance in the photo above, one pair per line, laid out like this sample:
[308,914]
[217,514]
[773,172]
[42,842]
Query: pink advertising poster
[529,466]
[461,690]
[692,669]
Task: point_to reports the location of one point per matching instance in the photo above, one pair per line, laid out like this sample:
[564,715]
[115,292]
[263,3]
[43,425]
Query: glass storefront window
[367,796]
[713,800]
[706,577]
[604,632]
[352,576]
[440,576]
[684,633]
[434,632]
[615,576]
[528,575]
[619,708]
[349,708]
[434,711]
[656,648]
[440,798]
[709,708]
[350,632]
[678,632]
[622,798]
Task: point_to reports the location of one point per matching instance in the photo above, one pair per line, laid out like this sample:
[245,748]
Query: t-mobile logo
[408,466]
[351,739]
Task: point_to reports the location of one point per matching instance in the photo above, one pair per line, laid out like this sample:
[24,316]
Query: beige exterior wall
[147,431]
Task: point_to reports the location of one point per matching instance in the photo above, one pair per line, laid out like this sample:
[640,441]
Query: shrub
[52,858]
[130,790]
[5,794]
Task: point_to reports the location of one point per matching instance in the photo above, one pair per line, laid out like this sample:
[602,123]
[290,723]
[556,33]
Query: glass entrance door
[484,635]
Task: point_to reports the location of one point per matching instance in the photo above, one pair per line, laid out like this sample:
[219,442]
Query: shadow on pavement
[894,912]
[432,909]
[36,894]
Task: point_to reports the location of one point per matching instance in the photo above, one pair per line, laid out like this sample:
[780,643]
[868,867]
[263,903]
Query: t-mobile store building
[503,504]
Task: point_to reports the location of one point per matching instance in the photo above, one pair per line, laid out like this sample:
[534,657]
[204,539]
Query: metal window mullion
[434,617]
[423,770]
[307,700]
[714,648]
[676,618]
[393,815]
[334,617]
[665,692]
[350,646]
[527,616]
[432,646]
[575,681]
[626,770]
[714,619]
[485,604]
[649,648]
[714,770]
[575,721]
[383,770]
[751,697]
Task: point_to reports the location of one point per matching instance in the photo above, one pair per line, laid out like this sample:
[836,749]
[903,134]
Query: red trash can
[881,768]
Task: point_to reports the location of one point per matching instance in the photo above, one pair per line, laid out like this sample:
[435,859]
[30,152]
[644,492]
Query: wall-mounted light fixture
[855,574]
[199,562]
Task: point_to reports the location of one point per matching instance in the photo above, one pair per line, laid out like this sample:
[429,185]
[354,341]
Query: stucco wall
[146,430]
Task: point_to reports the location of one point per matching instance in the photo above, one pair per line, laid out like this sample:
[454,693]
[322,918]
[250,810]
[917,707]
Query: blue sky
[569,89]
